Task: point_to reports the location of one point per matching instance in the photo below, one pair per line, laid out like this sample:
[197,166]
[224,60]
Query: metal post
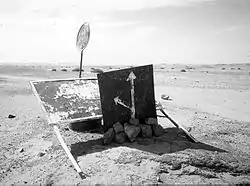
[80,73]
[70,156]
[179,126]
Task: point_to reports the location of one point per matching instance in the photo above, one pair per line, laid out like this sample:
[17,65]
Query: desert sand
[212,100]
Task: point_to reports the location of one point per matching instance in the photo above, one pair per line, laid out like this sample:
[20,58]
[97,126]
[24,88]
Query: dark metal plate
[117,85]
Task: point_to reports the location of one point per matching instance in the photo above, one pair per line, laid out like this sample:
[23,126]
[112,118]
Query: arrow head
[131,76]
[116,100]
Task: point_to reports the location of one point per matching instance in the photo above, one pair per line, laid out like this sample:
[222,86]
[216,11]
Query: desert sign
[69,100]
[127,93]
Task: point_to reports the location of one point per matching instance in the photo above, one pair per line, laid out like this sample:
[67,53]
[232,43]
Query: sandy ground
[213,100]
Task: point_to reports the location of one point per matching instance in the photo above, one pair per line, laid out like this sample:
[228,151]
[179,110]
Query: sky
[126,32]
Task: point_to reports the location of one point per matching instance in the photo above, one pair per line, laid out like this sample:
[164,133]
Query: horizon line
[156,64]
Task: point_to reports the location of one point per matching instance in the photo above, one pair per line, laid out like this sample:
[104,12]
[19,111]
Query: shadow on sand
[173,140]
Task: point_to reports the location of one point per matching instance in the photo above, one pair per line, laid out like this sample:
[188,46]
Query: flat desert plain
[211,100]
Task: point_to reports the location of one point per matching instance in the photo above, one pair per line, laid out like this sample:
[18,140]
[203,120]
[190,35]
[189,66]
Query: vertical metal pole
[80,72]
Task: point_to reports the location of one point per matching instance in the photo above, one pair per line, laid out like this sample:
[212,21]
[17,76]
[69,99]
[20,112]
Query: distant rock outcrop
[97,70]
[165,97]
[77,70]
[11,116]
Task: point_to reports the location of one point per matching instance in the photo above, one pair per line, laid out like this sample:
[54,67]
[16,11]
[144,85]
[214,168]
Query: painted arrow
[131,78]
[118,101]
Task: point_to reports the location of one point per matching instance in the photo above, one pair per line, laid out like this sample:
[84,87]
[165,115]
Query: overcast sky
[126,31]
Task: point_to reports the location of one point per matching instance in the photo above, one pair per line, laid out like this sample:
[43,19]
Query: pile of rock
[129,131]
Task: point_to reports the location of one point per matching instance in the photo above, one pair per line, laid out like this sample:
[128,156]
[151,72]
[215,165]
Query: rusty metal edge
[39,101]
[77,120]
[67,79]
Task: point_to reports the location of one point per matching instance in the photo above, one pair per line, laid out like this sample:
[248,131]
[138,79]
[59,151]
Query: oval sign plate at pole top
[83,36]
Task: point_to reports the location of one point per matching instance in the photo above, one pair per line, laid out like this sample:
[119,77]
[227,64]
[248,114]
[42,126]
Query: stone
[120,137]
[157,130]
[11,116]
[151,121]
[175,166]
[146,131]
[108,136]
[66,129]
[131,131]
[21,150]
[165,178]
[164,97]
[77,70]
[40,154]
[134,121]
[190,170]
[97,70]
[118,127]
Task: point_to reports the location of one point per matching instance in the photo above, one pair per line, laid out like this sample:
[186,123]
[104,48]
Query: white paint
[49,107]
[56,117]
[131,78]
[87,91]
[118,101]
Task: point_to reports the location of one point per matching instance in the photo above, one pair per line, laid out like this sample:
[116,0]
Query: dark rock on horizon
[97,70]
[77,70]
[11,116]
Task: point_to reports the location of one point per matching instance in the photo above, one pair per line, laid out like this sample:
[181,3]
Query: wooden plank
[120,88]
[68,100]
